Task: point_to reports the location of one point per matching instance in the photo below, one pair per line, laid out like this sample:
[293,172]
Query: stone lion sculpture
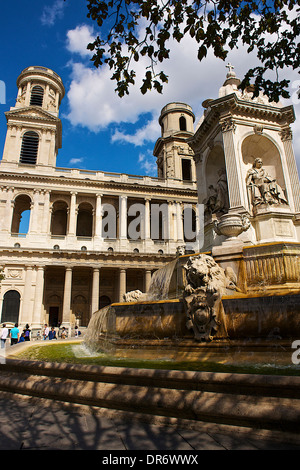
[134,296]
[206,283]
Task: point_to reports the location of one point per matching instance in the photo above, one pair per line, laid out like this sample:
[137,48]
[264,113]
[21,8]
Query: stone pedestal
[274,223]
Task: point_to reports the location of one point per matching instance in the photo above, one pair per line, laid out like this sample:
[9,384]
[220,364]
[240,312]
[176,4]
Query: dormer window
[29,149]
[37,95]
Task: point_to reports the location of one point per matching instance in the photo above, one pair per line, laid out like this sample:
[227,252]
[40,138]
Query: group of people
[50,333]
[47,334]
[14,335]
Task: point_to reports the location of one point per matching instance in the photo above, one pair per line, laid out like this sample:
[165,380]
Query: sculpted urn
[231,225]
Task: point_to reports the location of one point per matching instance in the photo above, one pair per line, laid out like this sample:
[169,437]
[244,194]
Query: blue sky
[100,130]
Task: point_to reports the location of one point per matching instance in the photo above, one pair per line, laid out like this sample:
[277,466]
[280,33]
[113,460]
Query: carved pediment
[31,113]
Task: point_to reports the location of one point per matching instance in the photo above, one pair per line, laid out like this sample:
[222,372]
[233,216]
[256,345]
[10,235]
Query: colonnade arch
[10,307]
[21,214]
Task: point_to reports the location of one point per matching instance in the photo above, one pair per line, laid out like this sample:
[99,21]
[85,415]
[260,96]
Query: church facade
[228,186]
[83,247]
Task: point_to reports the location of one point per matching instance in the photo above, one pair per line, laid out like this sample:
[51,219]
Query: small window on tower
[186,169]
[37,95]
[182,123]
[29,149]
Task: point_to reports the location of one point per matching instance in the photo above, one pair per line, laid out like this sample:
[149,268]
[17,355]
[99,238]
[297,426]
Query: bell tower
[34,131]
[174,155]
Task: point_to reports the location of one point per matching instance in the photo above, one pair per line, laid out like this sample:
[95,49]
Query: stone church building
[65,267]
[237,163]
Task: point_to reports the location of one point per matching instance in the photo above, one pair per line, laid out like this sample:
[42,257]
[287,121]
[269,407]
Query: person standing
[46,332]
[4,335]
[14,335]
[26,331]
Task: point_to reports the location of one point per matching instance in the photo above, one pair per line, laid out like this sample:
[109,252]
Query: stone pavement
[39,424]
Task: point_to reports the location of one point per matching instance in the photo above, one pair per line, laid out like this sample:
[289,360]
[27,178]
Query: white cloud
[147,163]
[53,12]
[79,38]
[147,133]
[93,102]
[74,161]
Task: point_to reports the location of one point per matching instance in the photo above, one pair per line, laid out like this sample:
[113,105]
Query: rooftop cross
[230,67]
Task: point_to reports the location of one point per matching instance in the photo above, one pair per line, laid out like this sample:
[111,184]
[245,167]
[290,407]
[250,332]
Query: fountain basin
[153,319]
[233,317]
[259,330]
[262,315]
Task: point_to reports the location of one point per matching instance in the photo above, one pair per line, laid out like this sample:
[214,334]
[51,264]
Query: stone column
[26,313]
[148,275]
[98,220]
[66,314]
[179,222]
[47,213]
[147,219]
[286,137]
[9,210]
[72,215]
[38,298]
[122,284]
[123,216]
[34,216]
[169,228]
[28,94]
[233,180]
[95,290]
[57,101]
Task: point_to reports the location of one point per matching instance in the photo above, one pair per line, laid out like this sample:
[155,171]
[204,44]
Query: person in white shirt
[46,332]
[4,335]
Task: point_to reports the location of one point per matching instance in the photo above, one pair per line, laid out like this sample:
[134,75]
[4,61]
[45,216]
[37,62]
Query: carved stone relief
[206,283]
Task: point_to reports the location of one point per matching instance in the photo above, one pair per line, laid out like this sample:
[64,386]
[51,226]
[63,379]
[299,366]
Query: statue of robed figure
[263,188]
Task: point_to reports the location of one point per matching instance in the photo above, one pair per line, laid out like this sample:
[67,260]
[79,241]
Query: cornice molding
[71,257]
[101,186]
[35,71]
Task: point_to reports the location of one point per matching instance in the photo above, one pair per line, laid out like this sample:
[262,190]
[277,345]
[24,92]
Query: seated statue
[263,188]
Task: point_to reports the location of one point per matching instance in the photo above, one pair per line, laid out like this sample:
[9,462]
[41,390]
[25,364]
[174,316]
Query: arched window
[21,214]
[11,306]
[189,224]
[159,221]
[29,149]
[59,218]
[84,221]
[37,95]
[182,123]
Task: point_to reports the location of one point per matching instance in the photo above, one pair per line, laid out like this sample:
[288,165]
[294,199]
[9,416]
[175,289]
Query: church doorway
[11,307]
[53,316]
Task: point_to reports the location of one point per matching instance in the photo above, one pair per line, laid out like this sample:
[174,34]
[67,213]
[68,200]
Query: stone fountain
[241,292]
[197,310]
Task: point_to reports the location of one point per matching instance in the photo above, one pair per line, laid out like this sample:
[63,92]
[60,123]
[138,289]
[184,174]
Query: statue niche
[263,188]
[217,201]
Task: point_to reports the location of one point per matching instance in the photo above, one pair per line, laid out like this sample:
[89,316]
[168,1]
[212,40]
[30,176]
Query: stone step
[253,384]
[210,397]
